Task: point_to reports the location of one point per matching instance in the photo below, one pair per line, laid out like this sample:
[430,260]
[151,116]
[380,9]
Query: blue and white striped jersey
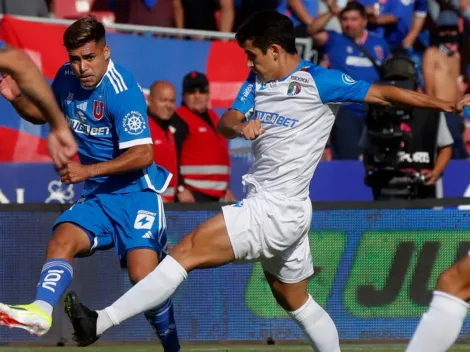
[107,120]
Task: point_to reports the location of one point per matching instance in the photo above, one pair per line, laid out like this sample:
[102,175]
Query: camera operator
[404,151]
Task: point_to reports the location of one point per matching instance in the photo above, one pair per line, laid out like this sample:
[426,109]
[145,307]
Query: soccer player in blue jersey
[121,204]
[286,106]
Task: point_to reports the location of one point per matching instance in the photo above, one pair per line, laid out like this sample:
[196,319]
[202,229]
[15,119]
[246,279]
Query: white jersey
[297,113]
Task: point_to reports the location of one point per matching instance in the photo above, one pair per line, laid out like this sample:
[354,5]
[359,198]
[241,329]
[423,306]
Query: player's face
[197,100]
[89,63]
[353,24]
[162,102]
[263,65]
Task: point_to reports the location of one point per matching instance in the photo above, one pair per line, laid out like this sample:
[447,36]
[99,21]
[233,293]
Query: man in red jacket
[204,160]
[161,108]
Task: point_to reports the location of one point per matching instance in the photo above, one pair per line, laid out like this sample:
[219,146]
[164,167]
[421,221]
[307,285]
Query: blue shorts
[125,221]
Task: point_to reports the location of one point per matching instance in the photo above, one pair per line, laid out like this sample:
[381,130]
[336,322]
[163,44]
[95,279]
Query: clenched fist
[74,173]
[251,130]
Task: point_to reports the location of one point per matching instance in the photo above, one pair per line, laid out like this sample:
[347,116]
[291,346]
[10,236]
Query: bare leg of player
[207,246]
[441,324]
[312,319]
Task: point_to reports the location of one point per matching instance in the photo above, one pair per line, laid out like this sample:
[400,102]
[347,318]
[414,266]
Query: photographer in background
[404,151]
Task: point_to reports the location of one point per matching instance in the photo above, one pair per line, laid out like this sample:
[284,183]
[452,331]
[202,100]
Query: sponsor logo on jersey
[275,119]
[299,79]
[82,106]
[144,220]
[98,109]
[134,123]
[347,79]
[82,128]
[294,89]
[246,92]
[69,72]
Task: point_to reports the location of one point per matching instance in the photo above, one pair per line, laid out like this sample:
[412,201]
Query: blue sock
[56,276]
[163,323]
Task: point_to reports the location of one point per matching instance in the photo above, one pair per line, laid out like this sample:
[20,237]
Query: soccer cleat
[28,317]
[83,320]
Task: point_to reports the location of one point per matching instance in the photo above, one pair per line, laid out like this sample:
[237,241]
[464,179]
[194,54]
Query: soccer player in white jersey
[286,107]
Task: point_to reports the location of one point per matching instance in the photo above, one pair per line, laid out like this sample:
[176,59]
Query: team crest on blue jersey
[347,79]
[134,123]
[98,109]
[294,88]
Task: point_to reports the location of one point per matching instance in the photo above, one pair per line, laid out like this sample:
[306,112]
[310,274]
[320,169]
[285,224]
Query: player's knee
[61,247]
[138,274]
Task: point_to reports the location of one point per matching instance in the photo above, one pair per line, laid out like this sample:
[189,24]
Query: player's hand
[186,196]
[462,104]
[229,197]
[8,87]
[74,172]
[431,177]
[62,146]
[251,130]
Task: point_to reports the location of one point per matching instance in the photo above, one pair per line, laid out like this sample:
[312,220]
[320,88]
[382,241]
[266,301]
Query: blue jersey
[404,10]
[346,57]
[310,5]
[106,121]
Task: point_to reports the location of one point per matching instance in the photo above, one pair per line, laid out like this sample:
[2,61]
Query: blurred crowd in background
[356,37]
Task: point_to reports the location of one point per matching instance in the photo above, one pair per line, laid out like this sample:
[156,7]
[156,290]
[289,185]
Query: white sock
[317,326]
[44,306]
[440,326]
[148,293]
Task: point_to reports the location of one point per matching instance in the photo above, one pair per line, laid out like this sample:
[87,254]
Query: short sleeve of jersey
[420,8]
[128,110]
[245,100]
[337,87]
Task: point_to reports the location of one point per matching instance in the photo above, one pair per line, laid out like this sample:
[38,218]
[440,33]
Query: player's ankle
[44,306]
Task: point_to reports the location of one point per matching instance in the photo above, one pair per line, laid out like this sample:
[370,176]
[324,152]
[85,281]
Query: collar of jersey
[299,66]
[110,66]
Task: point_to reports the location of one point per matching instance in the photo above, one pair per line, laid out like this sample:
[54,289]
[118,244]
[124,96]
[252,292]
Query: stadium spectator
[36,8]
[357,53]
[203,153]
[441,69]
[400,22]
[162,13]
[301,12]
[161,108]
[210,15]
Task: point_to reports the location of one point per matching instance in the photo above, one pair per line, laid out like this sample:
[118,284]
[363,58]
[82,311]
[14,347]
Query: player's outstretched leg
[56,275]
[141,262]
[440,326]
[314,321]
[206,247]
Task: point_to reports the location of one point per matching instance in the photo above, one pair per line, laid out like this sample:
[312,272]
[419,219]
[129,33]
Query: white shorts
[274,232]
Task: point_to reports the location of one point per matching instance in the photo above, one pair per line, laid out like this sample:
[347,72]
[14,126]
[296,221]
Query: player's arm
[27,89]
[134,158]
[234,121]
[393,96]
